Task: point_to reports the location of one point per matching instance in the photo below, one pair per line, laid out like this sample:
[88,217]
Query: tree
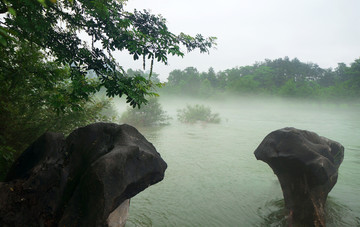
[55,26]
[154,77]
[32,93]
[193,114]
[245,84]
[329,78]
[210,76]
[185,81]
[352,73]
[49,73]
[288,89]
[148,115]
[265,77]
[354,70]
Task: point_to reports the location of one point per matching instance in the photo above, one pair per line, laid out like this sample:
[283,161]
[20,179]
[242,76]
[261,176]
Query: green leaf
[12,11]
[3,41]
[42,2]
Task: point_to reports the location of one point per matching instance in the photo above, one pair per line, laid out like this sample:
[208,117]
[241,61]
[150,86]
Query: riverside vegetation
[153,114]
[192,114]
[279,77]
[49,73]
[148,115]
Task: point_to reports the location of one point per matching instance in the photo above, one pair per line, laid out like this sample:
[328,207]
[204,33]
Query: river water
[214,179]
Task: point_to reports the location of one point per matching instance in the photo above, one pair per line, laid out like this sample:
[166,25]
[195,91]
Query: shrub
[147,115]
[192,114]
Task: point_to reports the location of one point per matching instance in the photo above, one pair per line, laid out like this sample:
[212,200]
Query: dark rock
[80,180]
[307,168]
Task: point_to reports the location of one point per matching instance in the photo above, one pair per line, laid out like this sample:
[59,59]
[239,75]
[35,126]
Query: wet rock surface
[80,180]
[306,165]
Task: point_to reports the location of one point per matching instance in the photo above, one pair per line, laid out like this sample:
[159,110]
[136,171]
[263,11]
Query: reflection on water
[339,214]
[273,214]
[213,178]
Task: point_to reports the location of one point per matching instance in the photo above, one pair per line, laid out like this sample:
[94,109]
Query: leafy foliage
[55,27]
[147,115]
[192,114]
[279,77]
[37,96]
[154,77]
[50,70]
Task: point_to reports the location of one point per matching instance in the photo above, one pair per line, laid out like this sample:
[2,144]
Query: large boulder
[86,179]
[306,165]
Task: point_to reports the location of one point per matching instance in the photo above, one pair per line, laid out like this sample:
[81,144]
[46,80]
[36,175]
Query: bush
[148,115]
[192,114]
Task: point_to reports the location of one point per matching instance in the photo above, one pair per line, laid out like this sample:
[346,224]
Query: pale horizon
[248,31]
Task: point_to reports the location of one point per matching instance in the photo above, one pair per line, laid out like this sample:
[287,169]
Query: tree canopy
[282,77]
[57,27]
[56,54]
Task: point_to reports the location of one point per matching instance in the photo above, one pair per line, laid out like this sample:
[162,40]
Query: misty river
[214,179]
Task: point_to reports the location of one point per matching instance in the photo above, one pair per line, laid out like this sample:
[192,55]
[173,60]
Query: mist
[213,166]
[71,65]
[206,125]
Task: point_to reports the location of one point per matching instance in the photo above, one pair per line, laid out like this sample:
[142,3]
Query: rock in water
[80,180]
[306,165]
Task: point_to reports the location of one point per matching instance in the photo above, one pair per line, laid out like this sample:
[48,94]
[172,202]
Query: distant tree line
[279,77]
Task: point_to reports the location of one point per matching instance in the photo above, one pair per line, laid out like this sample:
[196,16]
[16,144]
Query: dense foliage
[154,77]
[192,114]
[280,77]
[55,26]
[147,115]
[31,94]
[56,54]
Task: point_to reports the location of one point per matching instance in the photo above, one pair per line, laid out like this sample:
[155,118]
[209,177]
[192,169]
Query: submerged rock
[80,180]
[306,165]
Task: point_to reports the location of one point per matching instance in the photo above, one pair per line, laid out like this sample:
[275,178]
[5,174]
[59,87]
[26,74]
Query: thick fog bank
[207,161]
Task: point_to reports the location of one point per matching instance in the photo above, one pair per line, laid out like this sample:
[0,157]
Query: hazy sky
[325,32]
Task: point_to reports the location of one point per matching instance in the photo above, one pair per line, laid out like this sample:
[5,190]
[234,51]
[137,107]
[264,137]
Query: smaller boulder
[306,165]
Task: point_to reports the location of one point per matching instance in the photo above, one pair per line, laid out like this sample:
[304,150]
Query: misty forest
[67,159]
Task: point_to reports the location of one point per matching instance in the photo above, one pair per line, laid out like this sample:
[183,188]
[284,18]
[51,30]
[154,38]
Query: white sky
[325,32]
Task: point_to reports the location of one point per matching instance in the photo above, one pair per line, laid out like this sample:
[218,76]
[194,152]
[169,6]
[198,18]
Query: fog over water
[213,177]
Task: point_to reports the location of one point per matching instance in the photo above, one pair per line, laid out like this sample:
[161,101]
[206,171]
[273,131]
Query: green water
[213,178]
